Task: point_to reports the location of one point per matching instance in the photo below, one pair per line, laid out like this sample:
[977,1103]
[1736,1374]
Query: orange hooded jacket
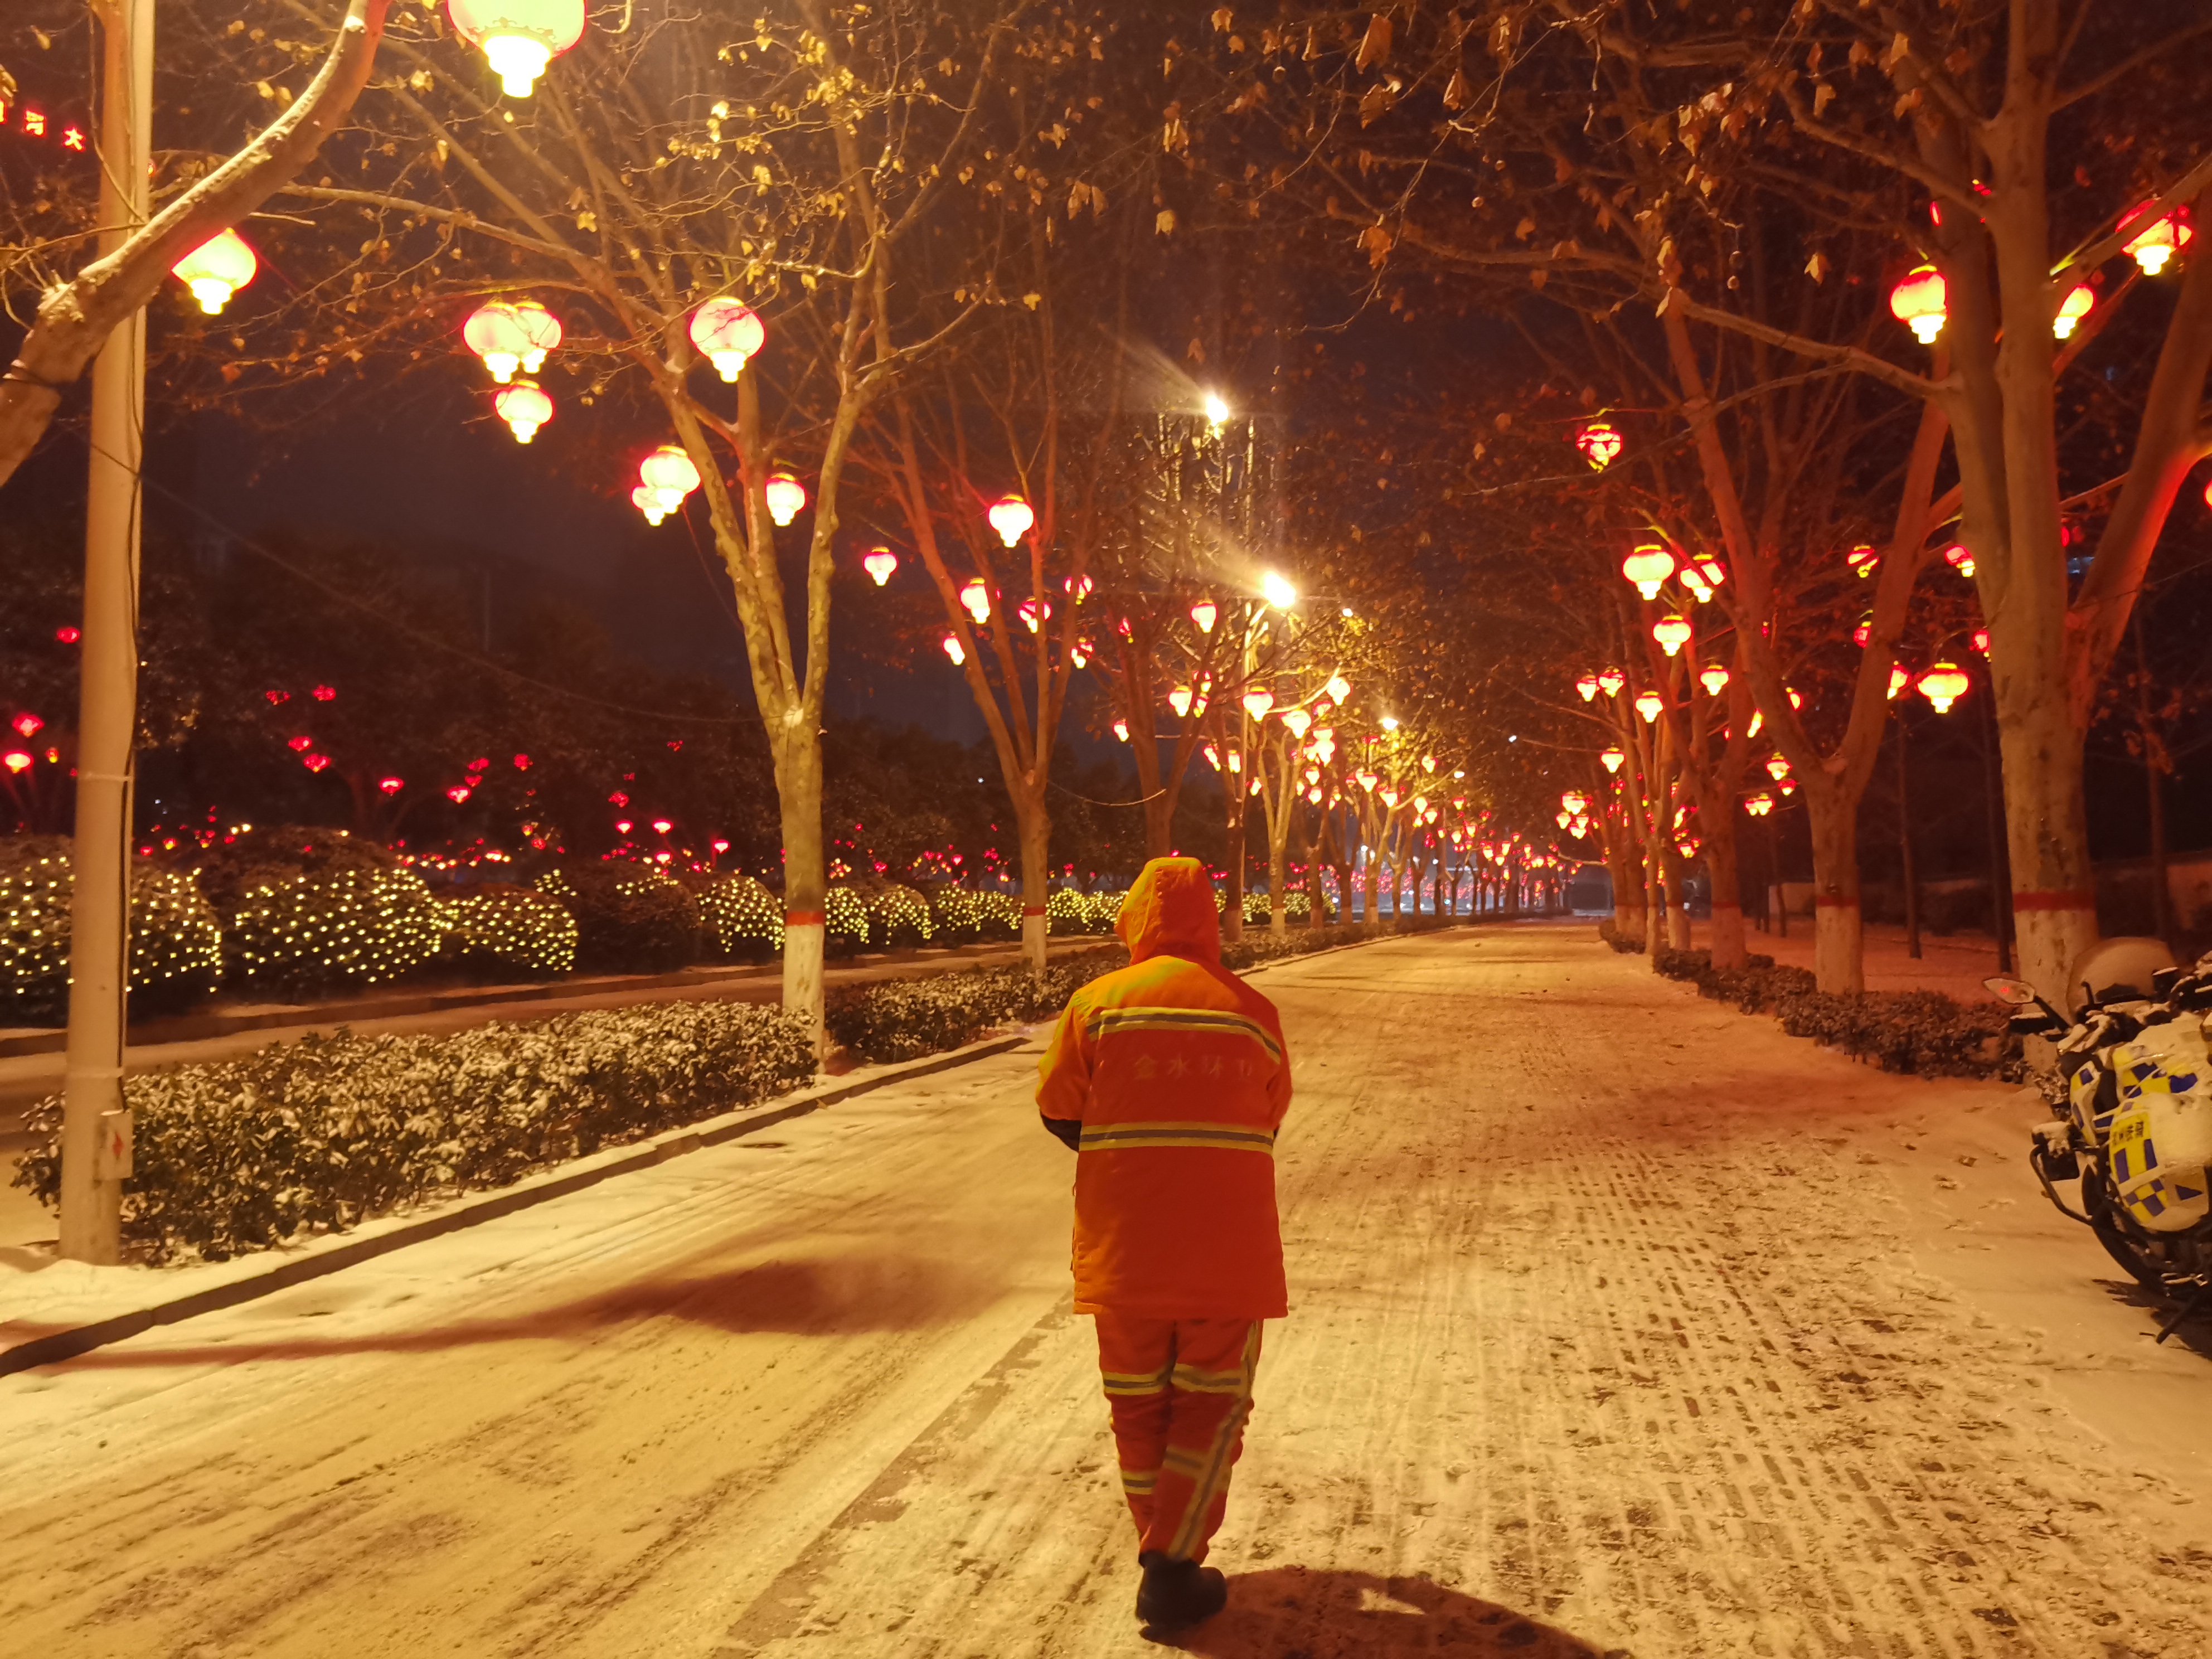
[1175,1072]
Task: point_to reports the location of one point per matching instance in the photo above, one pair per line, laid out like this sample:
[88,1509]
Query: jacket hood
[1171,911]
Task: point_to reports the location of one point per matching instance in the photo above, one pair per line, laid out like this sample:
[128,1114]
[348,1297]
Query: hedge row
[317,1135]
[1921,1033]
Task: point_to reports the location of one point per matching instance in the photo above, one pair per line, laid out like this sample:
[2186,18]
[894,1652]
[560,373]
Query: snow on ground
[1622,1324]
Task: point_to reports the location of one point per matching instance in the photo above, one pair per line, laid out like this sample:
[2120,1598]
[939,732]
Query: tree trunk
[1729,951]
[798,757]
[1232,857]
[1838,963]
[1035,826]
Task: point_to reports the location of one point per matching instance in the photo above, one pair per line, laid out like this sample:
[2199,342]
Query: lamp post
[95,1124]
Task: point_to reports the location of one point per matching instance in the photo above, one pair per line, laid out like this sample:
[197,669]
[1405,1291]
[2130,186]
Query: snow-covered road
[1622,1324]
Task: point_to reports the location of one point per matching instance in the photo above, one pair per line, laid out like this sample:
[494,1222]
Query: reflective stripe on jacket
[1175,1070]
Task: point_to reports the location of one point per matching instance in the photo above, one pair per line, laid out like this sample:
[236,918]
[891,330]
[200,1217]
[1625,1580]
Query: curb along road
[336,1252]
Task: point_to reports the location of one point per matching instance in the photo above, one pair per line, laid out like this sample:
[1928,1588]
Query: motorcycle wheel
[2146,1269]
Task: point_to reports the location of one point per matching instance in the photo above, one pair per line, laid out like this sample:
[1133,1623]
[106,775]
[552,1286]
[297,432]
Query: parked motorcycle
[2134,1120]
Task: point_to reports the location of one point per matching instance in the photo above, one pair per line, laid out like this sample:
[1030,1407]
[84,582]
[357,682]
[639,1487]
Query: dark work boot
[1176,1593]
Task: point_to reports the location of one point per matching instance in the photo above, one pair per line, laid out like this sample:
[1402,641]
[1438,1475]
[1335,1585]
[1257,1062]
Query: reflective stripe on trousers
[1180,1391]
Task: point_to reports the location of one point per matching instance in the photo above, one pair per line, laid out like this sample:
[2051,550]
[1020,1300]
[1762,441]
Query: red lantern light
[1943,685]
[975,596]
[1258,700]
[1777,767]
[1865,631]
[1203,612]
[2156,242]
[522,762]
[14,760]
[28,725]
[665,477]
[314,763]
[880,564]
[392,786]
[1612,758]
[1586,687]
[1673,632]
[297,745]
[1648,566]
[662,826]
[525,407]
[1710,570]
[1648,704]
[68,635]
[1982,640]
[519,37]
[1898,679]
[727,333]
[1574,800]
[1034,613]
[458,792]
[1077,588]
[786,497]
[720,846]
[1599,444]
[954,650]
[495,333]
[622,826]
[1714,678]
[1864,560]
[2072,309]
[1121,730]
[216,269]
[1610,682]
[1957,556]
[1918,302]
[1759,805]
[1011,517]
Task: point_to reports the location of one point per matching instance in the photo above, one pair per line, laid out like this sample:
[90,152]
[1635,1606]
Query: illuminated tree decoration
[954,650]
[16,760]
[1862,560]
[728,333]
[495,333]
[1611,681]
[1179,699]
[786,497]
[1918,302]
[1672,632]
[1759,805]
[1077,588]
[1298,720]
[1366,780]
[669,475]
[1574,800]
[1865,631]
[2156,242]
[458,793]
[1121,730]
[28,725]
[1981,640]
[1959,559]
[392,785]
[1612,758]
[1648,704]
[1081,654]
[1586,687]
[1258,700]
[1338,688]
[216,269]
[1943,685]
[977,596]
[880,564]
[1034,613]
[1011,517]
[1598,442]
[1649,566]
[1898,679]
[1777,766]
[519,37]
[1212,757]
[2078,304]
[1714,678]
[525,407]
[1204,612]
[1710,570]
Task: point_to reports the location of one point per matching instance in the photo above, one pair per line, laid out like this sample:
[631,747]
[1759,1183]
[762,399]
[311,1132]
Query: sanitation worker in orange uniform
[1169,1079]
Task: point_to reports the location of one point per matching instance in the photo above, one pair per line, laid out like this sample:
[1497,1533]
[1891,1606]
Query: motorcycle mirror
[2005,988]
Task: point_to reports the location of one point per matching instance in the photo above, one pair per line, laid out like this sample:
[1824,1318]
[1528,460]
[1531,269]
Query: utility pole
[95,1124]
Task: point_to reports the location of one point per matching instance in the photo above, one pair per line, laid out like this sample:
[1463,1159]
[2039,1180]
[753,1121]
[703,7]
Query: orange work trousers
[1180,1391]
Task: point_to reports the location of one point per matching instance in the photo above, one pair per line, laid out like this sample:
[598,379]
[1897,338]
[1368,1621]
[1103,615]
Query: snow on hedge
[320,1134]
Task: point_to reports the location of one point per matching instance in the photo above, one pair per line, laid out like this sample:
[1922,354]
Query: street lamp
[519,37]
